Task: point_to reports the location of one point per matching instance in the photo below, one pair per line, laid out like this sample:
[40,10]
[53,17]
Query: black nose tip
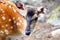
[28,33]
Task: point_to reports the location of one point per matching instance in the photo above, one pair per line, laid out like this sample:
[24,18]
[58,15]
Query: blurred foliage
[58,8]
[54,15]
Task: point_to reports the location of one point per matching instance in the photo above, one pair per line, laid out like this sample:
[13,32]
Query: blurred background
[46,23]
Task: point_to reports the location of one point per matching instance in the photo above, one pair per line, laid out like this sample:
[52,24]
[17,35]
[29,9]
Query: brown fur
[9,14]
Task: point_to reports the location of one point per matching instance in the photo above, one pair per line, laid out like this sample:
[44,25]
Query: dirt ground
[40,32]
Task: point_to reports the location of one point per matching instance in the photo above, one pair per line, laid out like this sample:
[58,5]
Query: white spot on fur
[14,21]
[1,32]
[6,25]
[2,26]
[6,31]
[25,24]
[13,18]
[18,18]
[2,10]
[17,23]
[10,20]
[21,21]
[14,10]
[3,17]
[11,27]
[9,6]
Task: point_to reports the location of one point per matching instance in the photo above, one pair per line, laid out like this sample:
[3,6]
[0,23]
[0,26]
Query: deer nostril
[28,32]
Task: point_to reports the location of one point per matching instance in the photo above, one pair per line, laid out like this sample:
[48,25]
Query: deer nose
[28,33]
[28,29]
